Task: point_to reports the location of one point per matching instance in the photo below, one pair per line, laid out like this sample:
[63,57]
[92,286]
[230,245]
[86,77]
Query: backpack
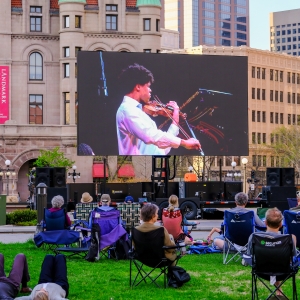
[121,250]
[177,276]
[93,253]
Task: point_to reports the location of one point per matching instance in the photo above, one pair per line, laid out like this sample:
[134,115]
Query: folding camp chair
[292,202]
[111,230]
[149,258]
[130,214]
[54,232]
[291,225]
[82,212]
[272,257]
[238,226]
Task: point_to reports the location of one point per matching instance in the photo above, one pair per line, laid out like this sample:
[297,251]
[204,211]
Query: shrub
[22,217]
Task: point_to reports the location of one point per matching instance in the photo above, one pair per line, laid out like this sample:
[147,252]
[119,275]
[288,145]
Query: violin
[155,109]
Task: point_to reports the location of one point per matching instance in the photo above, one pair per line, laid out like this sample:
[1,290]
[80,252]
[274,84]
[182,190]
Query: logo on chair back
[237,221]
[263,242]
[270,244]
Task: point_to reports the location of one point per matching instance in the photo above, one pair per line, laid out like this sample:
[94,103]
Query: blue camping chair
[54,232]
[291,225]
[238,226]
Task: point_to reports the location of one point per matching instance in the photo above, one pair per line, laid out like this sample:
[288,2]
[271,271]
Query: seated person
[241,200]
[53,281]
[296,208]
[86,198]
[172,220]
[274,223]
[104,203]
[215,229]
[129,200]
[10,286]
[57,202]
[149,215]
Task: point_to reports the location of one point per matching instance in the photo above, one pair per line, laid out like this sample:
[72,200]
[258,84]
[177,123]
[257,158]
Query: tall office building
[285,32]
[209,22]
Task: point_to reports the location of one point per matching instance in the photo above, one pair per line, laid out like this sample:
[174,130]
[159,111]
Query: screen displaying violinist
[162,104]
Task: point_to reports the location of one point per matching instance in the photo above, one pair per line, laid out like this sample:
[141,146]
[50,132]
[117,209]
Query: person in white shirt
[137,133]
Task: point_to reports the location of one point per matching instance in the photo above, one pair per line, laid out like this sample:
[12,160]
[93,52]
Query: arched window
[35,66]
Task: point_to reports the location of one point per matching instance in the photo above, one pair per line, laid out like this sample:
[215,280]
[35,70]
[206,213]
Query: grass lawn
[109,279]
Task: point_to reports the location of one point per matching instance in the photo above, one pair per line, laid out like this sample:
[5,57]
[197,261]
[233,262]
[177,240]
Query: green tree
[285,142]
[53,158]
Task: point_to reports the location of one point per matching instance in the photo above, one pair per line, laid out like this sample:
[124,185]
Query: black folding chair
[148,257]
[272,261]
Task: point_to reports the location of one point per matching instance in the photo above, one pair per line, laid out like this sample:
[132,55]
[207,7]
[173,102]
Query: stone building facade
[40,41]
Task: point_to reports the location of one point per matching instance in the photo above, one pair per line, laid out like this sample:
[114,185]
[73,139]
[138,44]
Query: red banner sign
[4,96]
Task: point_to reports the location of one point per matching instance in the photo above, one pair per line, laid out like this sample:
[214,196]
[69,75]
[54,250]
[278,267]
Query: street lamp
[74,174]
[7,172]
[244,162]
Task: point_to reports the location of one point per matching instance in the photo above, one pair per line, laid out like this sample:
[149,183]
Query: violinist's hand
[175,111]
[191,144]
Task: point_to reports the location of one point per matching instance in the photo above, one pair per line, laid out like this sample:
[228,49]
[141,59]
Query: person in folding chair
[149,215]
[105,202]
[274,223]
[241,200]
[53,282]
[296,208]
[173,221]
[57,203]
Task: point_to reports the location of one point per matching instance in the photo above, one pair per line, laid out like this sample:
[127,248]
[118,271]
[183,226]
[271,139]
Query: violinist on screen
[137,132]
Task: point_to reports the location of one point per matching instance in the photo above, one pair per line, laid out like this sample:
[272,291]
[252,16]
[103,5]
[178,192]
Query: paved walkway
[21,234]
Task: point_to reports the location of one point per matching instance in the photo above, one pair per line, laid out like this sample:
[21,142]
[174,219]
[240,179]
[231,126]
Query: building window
[259,160]
[293,98]
[147,50]
[264,160]
[35,109]
[271,117]
[271,74]
[77,49]
[35,18]
[253,138]
[147,24]
[288,77]
[253,72]
[264,138]
[289,119]
[253,93]
[258,116]
[35,66]
[272,161]
[263,73]
[157,25]
[258,94]
[258,73]
[111,22]
[276,118]
[281,96]
[110,7]
[289,97]
[276,75]
[66,70]
[66,51]
[298,98]
[293,77]
[77,21]
[67,107]
[298,75]
[271,95]
[281,76]
[258,138]
[281,118]
[253,115]
[294,119]
[76,70]
[264,117]
[263,94]
[254,160]
[276,96]
[66,21]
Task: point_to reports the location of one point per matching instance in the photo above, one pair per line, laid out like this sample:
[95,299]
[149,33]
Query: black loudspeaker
[265,192]
[287,177]
[232,188]
[273,176]
[43,175]
[59,177]
[51,192]
[211,190]
[278,196]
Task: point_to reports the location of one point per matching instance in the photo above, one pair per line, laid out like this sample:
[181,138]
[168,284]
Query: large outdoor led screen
[162,104]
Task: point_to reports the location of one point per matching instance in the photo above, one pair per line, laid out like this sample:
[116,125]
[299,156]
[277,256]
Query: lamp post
[244,162]
[7,172]
[74,174]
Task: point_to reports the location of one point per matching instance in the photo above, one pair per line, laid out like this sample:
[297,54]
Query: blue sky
[259,19]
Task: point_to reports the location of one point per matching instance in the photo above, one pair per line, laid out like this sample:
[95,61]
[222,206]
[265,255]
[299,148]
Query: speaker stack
[280,186]
[55,179]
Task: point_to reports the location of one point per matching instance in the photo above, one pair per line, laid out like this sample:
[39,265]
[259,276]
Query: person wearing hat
[86,198]
[128,199]
[105,202]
